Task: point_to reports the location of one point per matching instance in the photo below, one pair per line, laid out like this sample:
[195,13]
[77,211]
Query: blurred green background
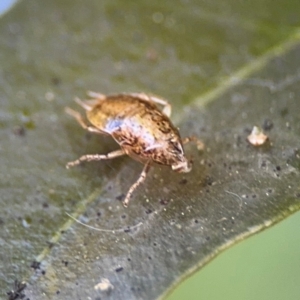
[263,267]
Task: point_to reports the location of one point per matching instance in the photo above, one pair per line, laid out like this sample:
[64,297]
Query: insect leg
[167,106]
[137,183]
[90,157]
[96,95]
[167,110]
[81,121]
[199,143]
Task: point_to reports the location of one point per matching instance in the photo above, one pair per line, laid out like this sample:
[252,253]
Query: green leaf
[225,67]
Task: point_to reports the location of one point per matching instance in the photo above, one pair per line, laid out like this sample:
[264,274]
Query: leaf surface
[224,66]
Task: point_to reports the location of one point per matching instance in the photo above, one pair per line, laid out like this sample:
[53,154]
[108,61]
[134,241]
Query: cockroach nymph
[143,131]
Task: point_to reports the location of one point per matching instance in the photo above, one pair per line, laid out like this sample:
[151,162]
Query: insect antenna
[102,229]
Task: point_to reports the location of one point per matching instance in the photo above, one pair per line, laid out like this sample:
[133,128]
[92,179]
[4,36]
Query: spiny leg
[88,105]
[96,95]
[90,157]
[78,117]
[167,106]
[167,110]
[137,183]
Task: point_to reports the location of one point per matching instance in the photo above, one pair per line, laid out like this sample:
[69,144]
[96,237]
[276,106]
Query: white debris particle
[104,285]
[257,137]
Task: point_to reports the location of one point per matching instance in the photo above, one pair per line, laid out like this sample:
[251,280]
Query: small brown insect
[143,132]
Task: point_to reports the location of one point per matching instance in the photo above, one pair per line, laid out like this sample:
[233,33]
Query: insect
[143,131]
